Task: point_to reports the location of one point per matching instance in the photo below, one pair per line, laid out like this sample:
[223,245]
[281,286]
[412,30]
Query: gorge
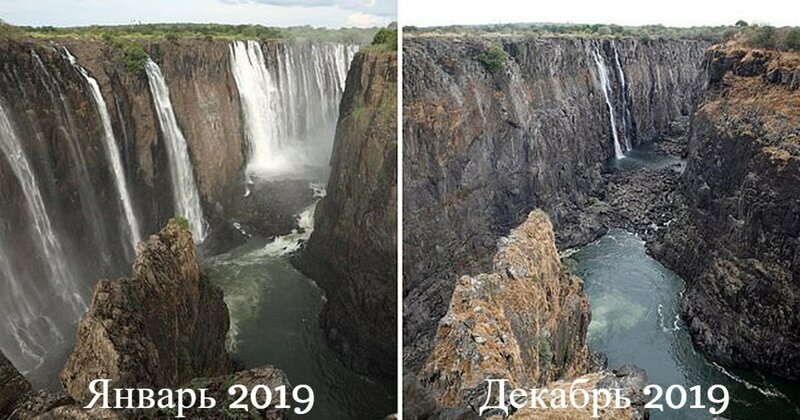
[102,144]
[596,132]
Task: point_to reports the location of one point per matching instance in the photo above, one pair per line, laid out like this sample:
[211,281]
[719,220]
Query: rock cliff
[352,252]
[53,114]
[525,321]
[483,148]
[161,327]
[735,239]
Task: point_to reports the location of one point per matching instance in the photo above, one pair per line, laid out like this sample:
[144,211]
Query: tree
[740,23]
[493,58]
[792,40]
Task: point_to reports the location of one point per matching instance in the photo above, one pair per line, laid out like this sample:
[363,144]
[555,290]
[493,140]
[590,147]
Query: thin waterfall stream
[112,152]
[184,189]
[605,84]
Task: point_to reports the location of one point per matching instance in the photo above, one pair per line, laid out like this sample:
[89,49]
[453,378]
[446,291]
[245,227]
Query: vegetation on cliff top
[385,40]
[755,36]
[201,31]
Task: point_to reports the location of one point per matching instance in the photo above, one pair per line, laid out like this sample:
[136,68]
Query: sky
[327,13]
[623,12]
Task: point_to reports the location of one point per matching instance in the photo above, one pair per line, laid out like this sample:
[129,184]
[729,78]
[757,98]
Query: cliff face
[525,321]
[12,385]
[52,114]
[735,239]
[352,251]
[161,327]
[484,148]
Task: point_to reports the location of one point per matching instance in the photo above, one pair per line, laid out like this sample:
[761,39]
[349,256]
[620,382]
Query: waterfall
[112,152]
[89,205]
[608,94]
[626,116]
[290,99]
[184,189]
[25,302]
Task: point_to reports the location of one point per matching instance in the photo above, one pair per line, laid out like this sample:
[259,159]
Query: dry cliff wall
[735,240]
[482,149]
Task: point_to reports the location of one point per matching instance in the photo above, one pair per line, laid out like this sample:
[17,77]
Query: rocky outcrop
[483,148]
[525,321]
[352,251]
[18,402]
[161,327]
[13,385]
[735,240]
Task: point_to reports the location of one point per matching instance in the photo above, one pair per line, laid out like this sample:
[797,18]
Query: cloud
[386,8]
[363,20]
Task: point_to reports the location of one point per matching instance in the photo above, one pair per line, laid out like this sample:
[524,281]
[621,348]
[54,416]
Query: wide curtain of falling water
[36,312]
[290,96]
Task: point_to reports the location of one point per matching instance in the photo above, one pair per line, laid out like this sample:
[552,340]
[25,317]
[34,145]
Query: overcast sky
[328,13]
[623,12]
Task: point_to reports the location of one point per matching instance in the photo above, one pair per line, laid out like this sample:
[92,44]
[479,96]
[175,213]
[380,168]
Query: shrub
[545,354]
[493,58]
[181,221]
[386,37]
[792,40]
[763,37]
[134,58]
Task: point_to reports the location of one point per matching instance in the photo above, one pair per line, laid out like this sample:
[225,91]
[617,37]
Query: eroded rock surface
[482,149]
[735,240]
[159,328]
[526,321]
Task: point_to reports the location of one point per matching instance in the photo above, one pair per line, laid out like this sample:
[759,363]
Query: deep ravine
[98,154]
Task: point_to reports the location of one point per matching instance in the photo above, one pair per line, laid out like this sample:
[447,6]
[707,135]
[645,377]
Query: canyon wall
[352,253]
[735,239]
[483,148]
[64,222]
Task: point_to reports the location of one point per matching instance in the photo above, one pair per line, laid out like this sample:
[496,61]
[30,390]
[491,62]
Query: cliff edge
[352,251]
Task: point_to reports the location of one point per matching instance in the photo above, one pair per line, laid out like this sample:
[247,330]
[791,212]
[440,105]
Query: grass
[196,31]
[754,36]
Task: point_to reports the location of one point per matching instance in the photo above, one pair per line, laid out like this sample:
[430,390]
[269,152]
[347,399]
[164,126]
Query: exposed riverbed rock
[482,149]
[735,240]
[160,328]
[352,251]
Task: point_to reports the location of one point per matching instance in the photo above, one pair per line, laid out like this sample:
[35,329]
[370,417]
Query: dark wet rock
[262,209]
[352,253]
[13,386]
[598,361]
[160,328]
